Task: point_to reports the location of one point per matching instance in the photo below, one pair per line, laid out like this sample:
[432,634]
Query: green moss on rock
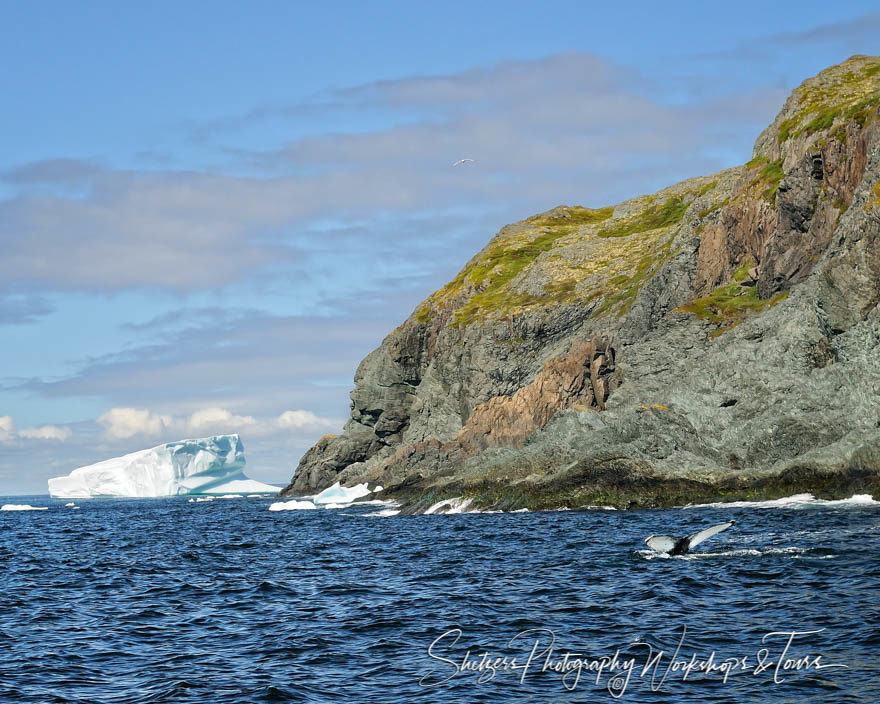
[848,92]
[653,217]
[727,306]
[569,255]
[767,180]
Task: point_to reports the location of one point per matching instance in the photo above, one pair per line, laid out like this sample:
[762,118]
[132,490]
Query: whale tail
[679,546]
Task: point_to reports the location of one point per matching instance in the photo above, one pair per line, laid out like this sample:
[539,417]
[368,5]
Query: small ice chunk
[292,506]
[22,507]
[69,504]
[338,494]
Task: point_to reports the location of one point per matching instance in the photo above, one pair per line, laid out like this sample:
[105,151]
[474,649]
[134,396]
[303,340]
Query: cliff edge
[717,339]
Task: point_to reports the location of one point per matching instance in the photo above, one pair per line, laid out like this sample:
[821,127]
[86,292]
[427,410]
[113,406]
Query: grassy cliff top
[837,95]
[572,254]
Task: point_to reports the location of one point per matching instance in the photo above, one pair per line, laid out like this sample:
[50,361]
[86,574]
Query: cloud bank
[568,128]
[124,423]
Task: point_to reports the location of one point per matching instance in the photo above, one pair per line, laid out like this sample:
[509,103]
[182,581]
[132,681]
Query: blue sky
[210,213]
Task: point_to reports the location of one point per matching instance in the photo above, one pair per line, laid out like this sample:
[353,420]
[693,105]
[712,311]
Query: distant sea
[166,600]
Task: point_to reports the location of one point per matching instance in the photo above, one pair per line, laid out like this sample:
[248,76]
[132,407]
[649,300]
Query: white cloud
[9,434]
[214,421]
[47,432]
[304,420]
[122,423]
[7,429]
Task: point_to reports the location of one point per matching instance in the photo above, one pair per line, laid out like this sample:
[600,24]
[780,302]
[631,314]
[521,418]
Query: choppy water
[225,601]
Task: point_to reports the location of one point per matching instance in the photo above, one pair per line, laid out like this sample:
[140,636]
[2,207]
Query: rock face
[212,465]
[718,338]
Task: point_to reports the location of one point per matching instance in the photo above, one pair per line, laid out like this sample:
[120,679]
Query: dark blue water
[170,601]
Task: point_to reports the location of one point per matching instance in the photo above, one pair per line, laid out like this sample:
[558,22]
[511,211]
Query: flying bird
[463,161]
[679,546]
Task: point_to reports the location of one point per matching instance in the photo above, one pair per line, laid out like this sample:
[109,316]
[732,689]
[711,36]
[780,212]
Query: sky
[210,212]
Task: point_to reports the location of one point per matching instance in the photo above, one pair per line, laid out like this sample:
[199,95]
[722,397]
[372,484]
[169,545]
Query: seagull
[463,161]
[679,546]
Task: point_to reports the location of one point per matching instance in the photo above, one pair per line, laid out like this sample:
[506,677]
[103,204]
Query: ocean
[167,600]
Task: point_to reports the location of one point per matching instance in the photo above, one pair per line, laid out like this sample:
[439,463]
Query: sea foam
[795,501]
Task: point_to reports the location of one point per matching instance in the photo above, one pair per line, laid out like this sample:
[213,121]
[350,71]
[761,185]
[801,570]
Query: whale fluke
[679,546]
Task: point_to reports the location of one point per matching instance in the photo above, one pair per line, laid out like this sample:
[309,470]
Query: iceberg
[338,494]
[22,507]
[213,465]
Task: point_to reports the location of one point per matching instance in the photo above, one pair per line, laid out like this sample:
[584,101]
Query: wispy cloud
[232,361]
[863,30]
[18,309]
[570,128]
[859,35]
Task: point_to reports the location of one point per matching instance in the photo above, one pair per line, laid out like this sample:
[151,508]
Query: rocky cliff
[718,338]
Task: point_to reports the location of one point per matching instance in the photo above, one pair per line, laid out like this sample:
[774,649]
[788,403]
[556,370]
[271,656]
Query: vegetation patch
[873,205]
[712,208]
[570,255]
[423,314]
[573,217]
[727,306]
[769,177]
[834,95]
[703,190]
[671,212]
[619,293]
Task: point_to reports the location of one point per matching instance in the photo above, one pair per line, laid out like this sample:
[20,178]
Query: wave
[793,551]
[456,505]
[795,501]
[384,513]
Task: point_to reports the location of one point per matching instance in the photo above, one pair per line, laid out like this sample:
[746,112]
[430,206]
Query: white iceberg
[212,465]
[22,507]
